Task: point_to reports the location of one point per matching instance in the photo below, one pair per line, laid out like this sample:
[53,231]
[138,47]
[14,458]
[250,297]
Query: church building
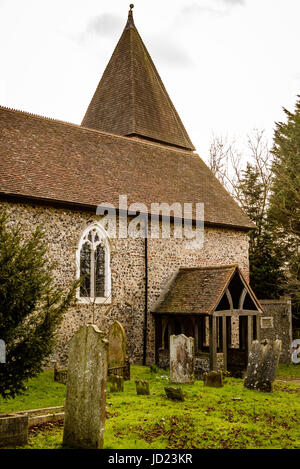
[132,143]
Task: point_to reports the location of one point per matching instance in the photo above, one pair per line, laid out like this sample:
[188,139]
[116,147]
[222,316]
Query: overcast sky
[228,65]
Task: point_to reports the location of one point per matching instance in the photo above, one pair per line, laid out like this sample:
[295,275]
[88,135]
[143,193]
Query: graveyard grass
[228,417]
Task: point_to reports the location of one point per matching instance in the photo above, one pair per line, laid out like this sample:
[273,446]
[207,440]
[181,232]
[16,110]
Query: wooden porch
[216,307]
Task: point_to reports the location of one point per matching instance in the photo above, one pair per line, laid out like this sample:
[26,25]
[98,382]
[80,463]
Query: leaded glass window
[93,257]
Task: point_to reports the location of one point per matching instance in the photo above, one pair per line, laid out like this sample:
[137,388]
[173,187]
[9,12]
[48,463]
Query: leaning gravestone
[86,389]
[262,365]
[117,345]
[181,359]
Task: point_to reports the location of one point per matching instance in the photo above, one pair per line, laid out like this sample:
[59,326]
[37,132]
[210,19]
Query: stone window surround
[106,243]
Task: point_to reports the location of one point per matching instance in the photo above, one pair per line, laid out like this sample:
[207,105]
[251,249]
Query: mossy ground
[228,417]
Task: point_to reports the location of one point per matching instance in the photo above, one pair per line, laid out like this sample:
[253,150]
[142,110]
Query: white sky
[228,65]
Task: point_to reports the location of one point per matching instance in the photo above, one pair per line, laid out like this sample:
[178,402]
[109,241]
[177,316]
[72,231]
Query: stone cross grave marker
[117,345]
[181,359]
[262,365]
[86,389]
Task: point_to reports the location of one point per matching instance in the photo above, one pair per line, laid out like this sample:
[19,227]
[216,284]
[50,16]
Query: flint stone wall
[63,229]
[280,314]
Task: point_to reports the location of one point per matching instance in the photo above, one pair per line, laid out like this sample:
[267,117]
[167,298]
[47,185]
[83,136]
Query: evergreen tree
[31,306]
[285,199]
[265,255]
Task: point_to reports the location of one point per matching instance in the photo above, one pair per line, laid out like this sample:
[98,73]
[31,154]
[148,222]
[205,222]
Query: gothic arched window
[93,265]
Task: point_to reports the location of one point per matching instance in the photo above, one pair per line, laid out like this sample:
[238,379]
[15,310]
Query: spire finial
[130,22]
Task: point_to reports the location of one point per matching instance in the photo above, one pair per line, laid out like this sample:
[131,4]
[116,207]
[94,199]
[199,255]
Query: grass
[41,391]
[228,417]
[288,371]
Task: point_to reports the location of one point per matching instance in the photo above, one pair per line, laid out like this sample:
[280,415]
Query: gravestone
[86,389]
[174,393]
[117,345]
[213,379]
[142,387]
[253,366]
[262,365]
[181,359]
[116,383]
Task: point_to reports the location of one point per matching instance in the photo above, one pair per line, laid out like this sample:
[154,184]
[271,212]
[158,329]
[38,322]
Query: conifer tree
[265,255]
[285,199]
[31,306]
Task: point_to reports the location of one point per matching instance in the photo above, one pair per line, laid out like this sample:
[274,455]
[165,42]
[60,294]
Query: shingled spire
[131,99]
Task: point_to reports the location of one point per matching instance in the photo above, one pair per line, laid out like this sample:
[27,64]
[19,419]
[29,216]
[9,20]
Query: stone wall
[63,229]
[276,323]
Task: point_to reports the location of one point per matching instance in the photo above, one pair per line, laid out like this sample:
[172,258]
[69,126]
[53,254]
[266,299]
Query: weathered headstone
[174,393]
[116,383]
[117,345]
[262,365]
[142,387]
[213,379]
[181,359]
[86,389]
[254,363]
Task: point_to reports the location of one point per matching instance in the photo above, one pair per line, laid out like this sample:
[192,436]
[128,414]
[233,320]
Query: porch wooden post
[257,319]
[250,333]
[213,343]
[196,335]
[224,340]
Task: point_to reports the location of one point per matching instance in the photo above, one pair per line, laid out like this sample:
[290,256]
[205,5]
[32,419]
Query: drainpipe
[146,297]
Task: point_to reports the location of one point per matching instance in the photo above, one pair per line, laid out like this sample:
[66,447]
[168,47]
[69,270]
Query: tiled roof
[131,98]
[196,290]
[51,160]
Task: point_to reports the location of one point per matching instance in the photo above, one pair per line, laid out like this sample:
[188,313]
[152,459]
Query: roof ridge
[132,81]
[210,267]
[101,132]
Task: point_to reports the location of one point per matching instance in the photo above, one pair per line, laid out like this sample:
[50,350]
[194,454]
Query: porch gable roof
[200,290]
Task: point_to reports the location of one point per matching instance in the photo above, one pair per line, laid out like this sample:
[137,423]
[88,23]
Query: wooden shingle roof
[197,290]
[131,99]
[52,161]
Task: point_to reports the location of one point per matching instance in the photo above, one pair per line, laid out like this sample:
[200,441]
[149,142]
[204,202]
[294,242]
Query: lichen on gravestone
[116,383]
[182,359]
[117,345]
[142,387]
[213,379]
[174,393]
[262,365]
[86,389]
